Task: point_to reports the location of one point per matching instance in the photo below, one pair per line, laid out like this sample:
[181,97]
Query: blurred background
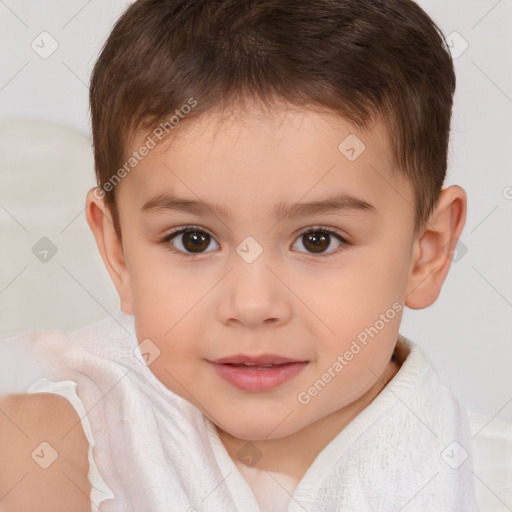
[52,276]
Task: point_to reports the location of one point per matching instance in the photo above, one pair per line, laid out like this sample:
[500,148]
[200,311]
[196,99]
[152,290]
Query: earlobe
[110,247]
[433,249]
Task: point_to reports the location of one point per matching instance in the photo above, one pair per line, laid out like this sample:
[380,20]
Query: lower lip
[249,378]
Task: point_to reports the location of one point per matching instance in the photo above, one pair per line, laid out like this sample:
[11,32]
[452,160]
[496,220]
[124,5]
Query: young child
[270,197]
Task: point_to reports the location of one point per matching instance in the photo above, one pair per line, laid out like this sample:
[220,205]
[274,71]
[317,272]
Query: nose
[254,295]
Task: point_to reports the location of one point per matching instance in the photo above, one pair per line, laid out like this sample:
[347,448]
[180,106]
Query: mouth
[251,365]
[259,373]
[261,360]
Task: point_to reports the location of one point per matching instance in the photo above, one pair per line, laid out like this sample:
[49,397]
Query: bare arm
[43,455]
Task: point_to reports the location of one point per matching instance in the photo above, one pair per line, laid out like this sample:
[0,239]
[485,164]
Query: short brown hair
[361,59]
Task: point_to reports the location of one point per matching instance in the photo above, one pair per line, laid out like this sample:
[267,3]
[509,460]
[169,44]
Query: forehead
[253,158]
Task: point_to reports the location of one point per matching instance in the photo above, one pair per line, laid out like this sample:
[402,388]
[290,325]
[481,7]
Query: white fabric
[492,460]
[156,452]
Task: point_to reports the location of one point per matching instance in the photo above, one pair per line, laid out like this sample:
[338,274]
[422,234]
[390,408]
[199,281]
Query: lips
[257,373]
[266,359]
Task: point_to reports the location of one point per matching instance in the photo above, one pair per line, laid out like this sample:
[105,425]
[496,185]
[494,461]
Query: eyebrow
[337,203]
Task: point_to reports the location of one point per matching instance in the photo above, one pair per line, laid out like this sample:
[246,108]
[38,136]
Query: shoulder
[44,463]
[58,353]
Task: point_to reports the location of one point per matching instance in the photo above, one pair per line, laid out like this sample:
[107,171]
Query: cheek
[363,306]
[377,276]
[355,295]
[174,338]
[359,355]
[163,291]
[169,311]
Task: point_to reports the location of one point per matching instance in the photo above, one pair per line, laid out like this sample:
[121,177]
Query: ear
[434,248]
[110,247]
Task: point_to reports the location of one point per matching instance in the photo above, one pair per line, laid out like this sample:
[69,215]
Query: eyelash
[191,228]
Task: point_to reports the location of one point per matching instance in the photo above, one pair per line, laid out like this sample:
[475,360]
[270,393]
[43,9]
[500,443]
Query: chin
[260,427]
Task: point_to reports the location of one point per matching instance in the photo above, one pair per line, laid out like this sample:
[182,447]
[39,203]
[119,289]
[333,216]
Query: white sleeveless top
[151,450]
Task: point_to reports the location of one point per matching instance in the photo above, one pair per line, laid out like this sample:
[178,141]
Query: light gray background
[467,333]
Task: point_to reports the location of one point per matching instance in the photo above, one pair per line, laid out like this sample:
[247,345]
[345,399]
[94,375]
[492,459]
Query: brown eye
[189,241]
[195,241]
[317,241]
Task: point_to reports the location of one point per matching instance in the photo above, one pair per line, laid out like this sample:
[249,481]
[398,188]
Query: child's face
[304,298]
